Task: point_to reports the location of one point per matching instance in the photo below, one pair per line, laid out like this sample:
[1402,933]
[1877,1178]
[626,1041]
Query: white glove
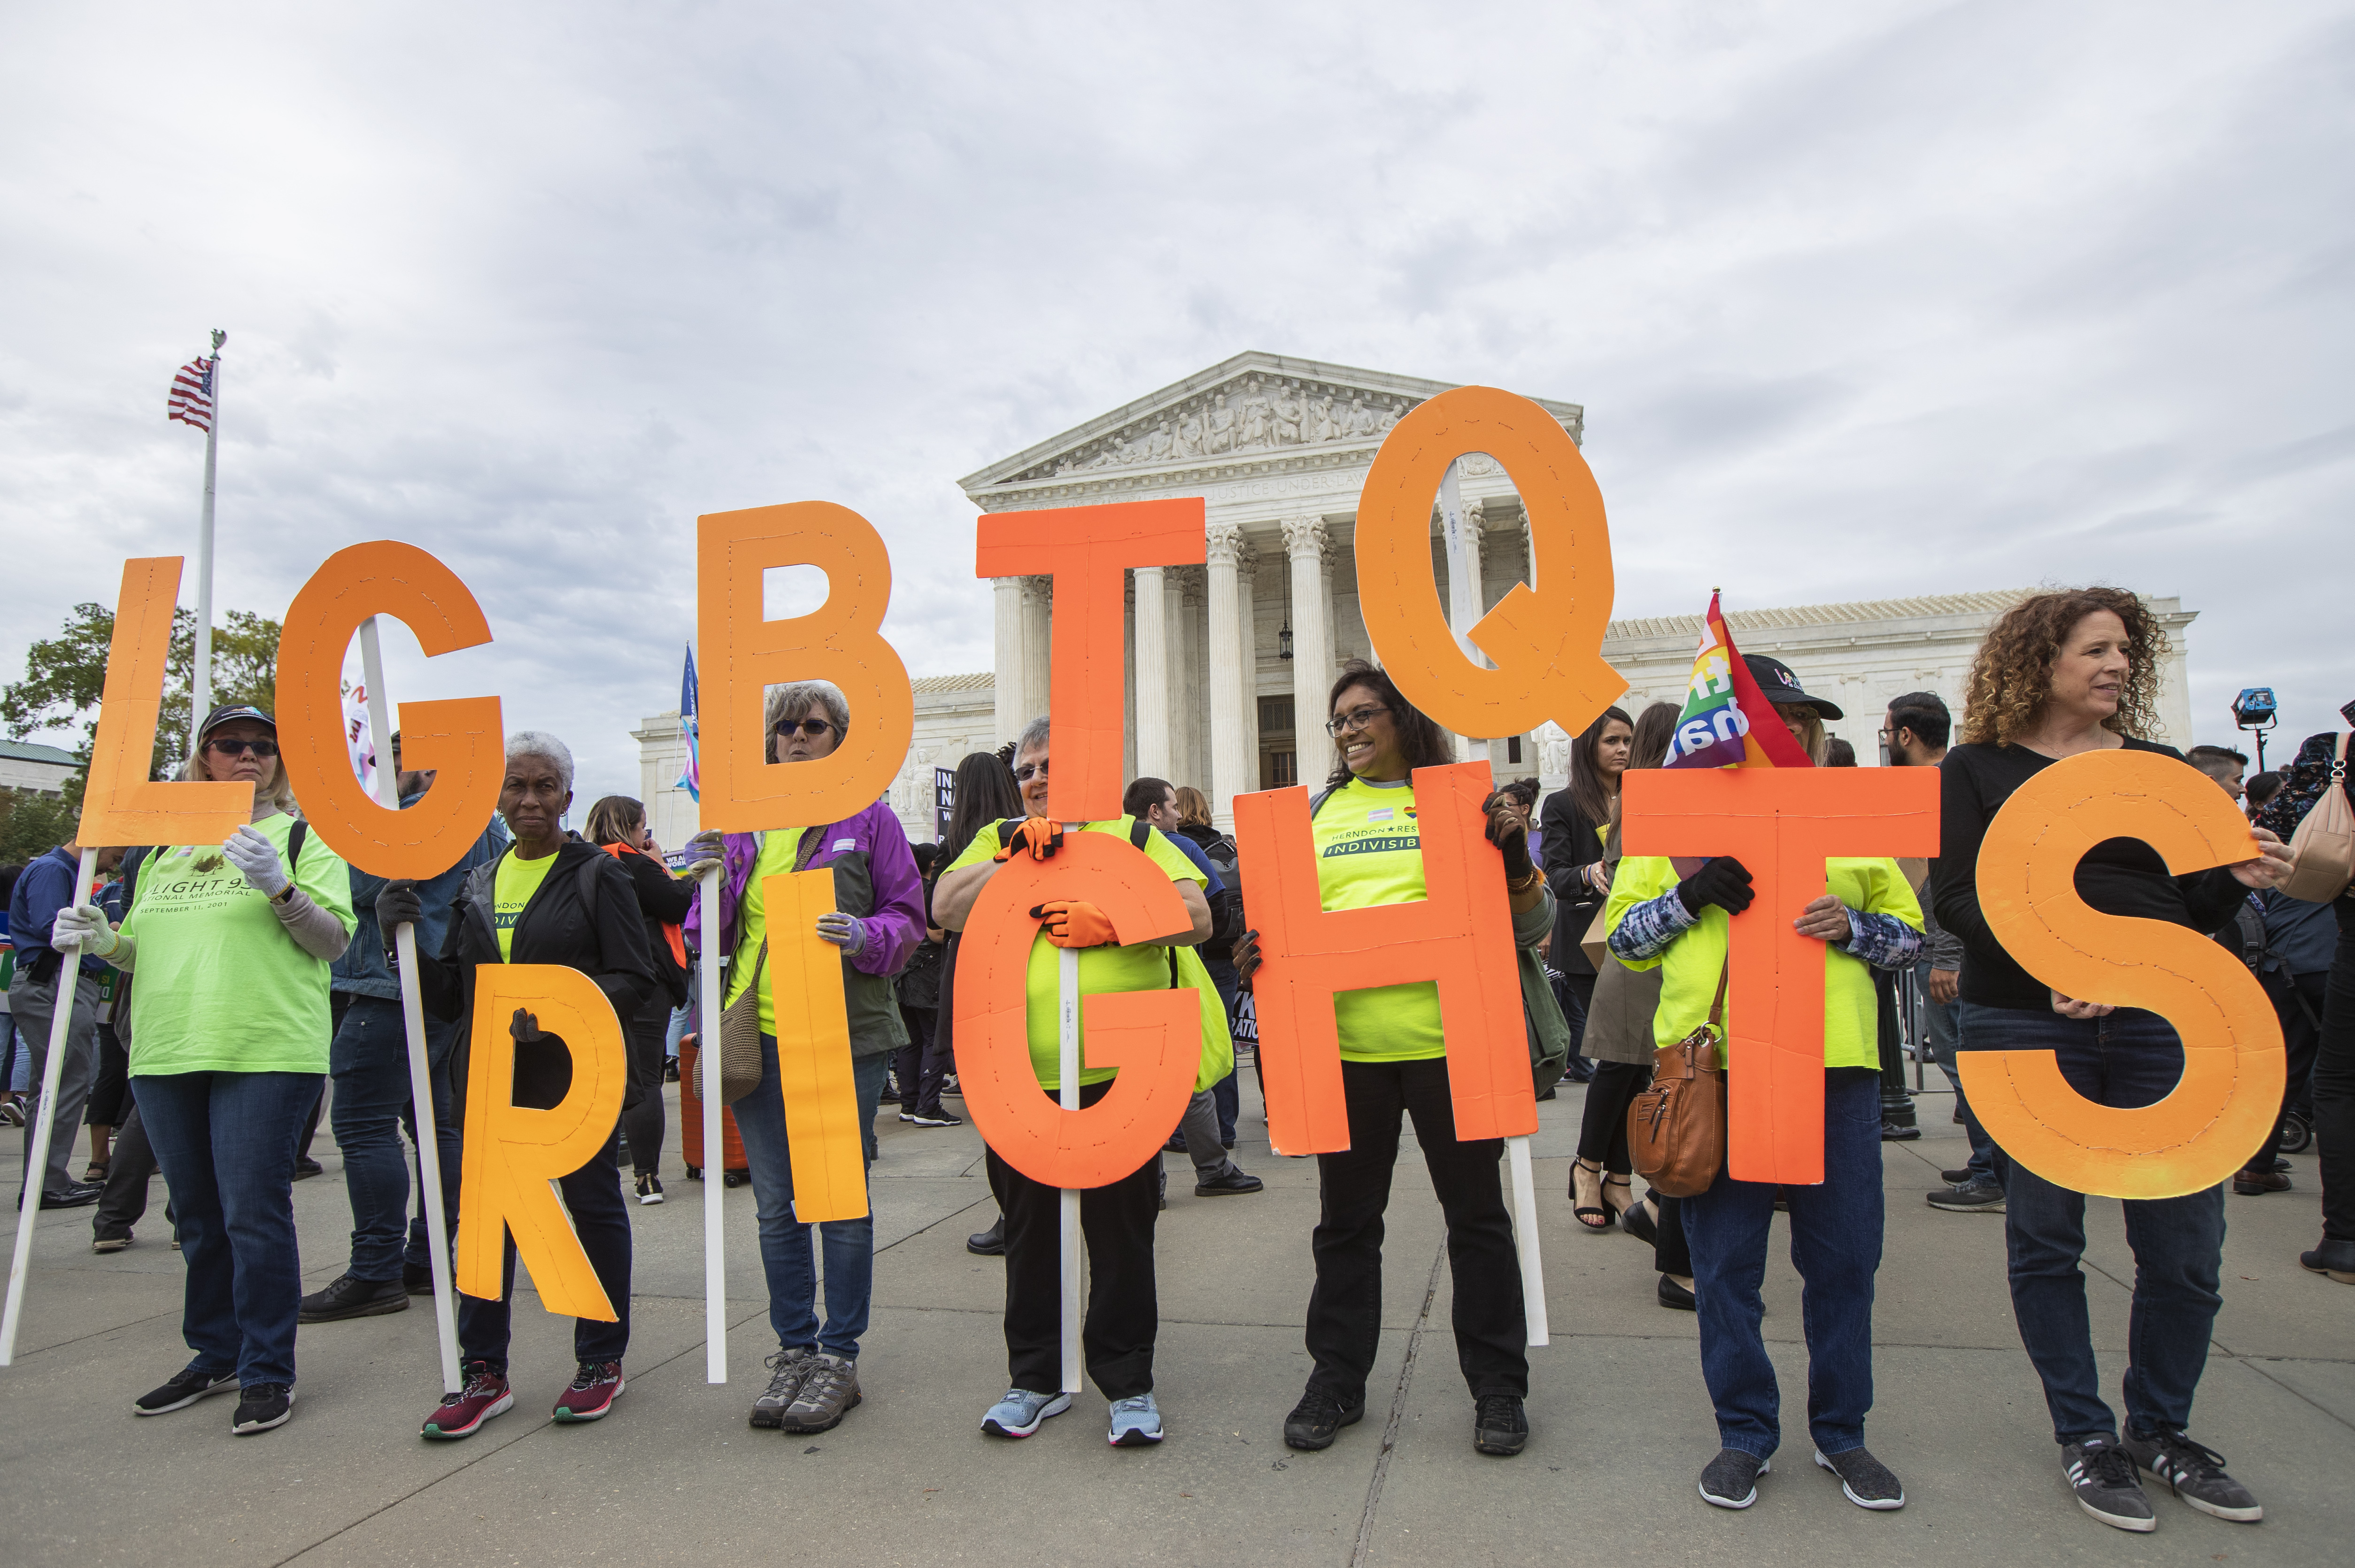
[258,858]
[86,927]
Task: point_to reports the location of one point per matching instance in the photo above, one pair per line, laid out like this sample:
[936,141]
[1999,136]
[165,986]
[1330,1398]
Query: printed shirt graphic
[512,887]
[777,852]
[1368,852]
[222,987]
[1110,968]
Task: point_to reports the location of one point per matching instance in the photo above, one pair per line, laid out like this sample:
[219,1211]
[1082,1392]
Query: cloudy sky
[1862,300]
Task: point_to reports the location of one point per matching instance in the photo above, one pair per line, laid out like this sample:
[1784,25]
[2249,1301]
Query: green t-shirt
[1144,967]
[1370,852]
[1692,962]
[222,987]
[777,853]
[512,886]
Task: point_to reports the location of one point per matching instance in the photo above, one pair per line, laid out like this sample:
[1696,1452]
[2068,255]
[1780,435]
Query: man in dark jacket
[42,977]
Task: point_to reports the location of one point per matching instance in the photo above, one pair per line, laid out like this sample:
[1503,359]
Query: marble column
[1231,767]
[1012,712]
[1247,599]
[1312,646]
[1152,673]
[1037,601]
[1188,720]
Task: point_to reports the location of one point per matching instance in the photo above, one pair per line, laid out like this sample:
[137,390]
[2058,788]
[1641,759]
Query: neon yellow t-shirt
[776,858]
[1370,852]
[512,886]
[1142,967]
[1692,963]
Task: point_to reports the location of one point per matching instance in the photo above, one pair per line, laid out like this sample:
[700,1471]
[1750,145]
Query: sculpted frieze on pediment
[1250,415]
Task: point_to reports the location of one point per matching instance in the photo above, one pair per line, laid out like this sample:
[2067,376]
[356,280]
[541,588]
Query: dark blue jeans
[1835,1246]
[226,1143]
[1227,1092]
[1946,1038]
[785,1256]
[2129,1058]
[369,1064]
[600,1218]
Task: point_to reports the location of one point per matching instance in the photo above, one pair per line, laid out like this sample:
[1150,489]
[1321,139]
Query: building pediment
[1255,414]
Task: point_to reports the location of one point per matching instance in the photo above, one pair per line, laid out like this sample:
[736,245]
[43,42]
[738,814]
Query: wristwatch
[285,894]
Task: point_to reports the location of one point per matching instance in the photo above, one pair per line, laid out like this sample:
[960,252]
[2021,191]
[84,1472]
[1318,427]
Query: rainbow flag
[1727,721]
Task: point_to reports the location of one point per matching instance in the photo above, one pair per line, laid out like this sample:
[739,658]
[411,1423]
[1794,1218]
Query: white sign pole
[37,1161]
[1525,1238]
[715,1161]
[1068,989]
[413,1018]
[201,687]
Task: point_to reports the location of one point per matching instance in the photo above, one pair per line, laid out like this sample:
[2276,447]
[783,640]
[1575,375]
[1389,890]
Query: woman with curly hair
[2061,674]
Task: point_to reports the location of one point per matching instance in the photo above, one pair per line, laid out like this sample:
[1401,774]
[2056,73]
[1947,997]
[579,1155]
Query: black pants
[2298,1002]
[918,1062]
[600,1217]
[1575,994]
[1123,1311]
[1669,1253]
[1344,1310]
[1603,1131]
[642,1108]
[110,1091]
[123,1202]
[1893,1093]
[2334,1084]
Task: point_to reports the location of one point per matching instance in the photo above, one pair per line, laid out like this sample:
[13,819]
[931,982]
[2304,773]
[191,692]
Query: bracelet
[1536,875]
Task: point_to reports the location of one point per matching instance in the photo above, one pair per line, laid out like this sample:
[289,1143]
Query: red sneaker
[594,1388]
[461,1414]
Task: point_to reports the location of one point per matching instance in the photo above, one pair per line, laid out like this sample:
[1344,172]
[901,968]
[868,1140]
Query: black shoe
[1675,1298]
[100,1242]
[1499,1425]
[1891,1132]
[2335,1258]
[2102,1473]
[262,1407]
[72,1195]
[305,1169]
[188,1386]
[1636,1221]
[933,1117]
[1548,1095]
[1318,1418]
[1233,1179]
[1971,1197]
[670,1069]
[1228,1143]
[1177,1144]
[417,1280]
[2196,1474]
[890,1096]
[990,1243]
[1956,1178]
[1731,1478]
[352,1297]
[649,1188]
[1868,1482]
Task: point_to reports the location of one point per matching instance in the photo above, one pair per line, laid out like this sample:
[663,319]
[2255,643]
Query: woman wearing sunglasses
[877,920]
[231,944]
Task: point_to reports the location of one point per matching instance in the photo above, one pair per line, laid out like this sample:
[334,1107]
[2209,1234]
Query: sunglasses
[240,747]
[1029,770]
[1357,718]
[811,727]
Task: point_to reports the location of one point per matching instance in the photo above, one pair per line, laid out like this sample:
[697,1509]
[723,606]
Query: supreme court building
[1228,663]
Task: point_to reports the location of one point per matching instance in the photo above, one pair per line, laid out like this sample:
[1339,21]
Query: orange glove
[1075,923]
[1042,837]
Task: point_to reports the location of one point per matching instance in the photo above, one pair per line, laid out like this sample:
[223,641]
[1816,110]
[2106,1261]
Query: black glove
[1246,958]
[1723,881]
[397,904]
[524,1027]
[1508,830]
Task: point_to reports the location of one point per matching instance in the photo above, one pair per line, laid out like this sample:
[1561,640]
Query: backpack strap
[296,838]
[587,877]
[1139,832]
[1316,802]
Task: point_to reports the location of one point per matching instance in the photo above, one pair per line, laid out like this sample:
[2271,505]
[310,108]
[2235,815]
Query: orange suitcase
[735,1170]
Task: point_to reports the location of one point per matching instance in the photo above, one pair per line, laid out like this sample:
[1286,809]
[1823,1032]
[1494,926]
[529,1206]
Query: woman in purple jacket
[876,921]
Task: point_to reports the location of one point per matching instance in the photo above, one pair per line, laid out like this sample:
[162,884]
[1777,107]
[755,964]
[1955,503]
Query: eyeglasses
[229,747]
[1357,718]
[1029,770]
[810,728]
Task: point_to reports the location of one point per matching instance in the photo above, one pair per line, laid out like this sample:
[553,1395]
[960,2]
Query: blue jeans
[226,1143]
[786,1254]
[1946,1023]
[368,1061]
[2129,1058]
[1227,1092]
[1835,1246]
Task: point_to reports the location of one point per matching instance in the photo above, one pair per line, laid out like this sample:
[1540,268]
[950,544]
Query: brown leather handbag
[1676,1128]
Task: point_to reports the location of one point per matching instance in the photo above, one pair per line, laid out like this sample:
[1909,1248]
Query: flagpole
[201,693]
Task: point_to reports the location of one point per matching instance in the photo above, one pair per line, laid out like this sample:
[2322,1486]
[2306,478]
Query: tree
[65,674]
[32,824]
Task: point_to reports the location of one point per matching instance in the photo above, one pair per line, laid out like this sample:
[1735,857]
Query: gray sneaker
[828,1392]
[1968,1197]
[786,1369]
[1868,1482]
[2196,1472]
[1731,1478]
[2102,1474]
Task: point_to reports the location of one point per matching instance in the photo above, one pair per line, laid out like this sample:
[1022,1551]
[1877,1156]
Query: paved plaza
[1620,1424]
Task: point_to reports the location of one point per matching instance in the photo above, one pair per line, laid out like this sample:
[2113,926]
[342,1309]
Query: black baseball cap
[228,711]
[1782,687]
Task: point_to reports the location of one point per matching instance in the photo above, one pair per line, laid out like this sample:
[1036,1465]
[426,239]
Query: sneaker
[2334,1258]
[990,1243]
[2102,1474]
[306,1168]
[936,1118]
[594,1387]
[950,1085]
[650,1189]
[1957,1177]
[1233,1179]
[352,1297]
[188,1386]
[1135,1422]
[786,1369]
[11,1112]
[1868,1482]
[110,1244]
[262,1407]
[417,1279]
[1894,1132]
[2195,1472]
[1675,1298]
[1317,1419]
[1499,1425]
[1021,1412]
[670,1069]
[1731,1478]
[462,1414]
[1971,1197]
[829,1391]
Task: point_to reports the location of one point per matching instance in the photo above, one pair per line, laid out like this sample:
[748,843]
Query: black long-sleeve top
[1570,843]
[2118,876]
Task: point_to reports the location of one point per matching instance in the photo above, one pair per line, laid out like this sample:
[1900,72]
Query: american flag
[192,395]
